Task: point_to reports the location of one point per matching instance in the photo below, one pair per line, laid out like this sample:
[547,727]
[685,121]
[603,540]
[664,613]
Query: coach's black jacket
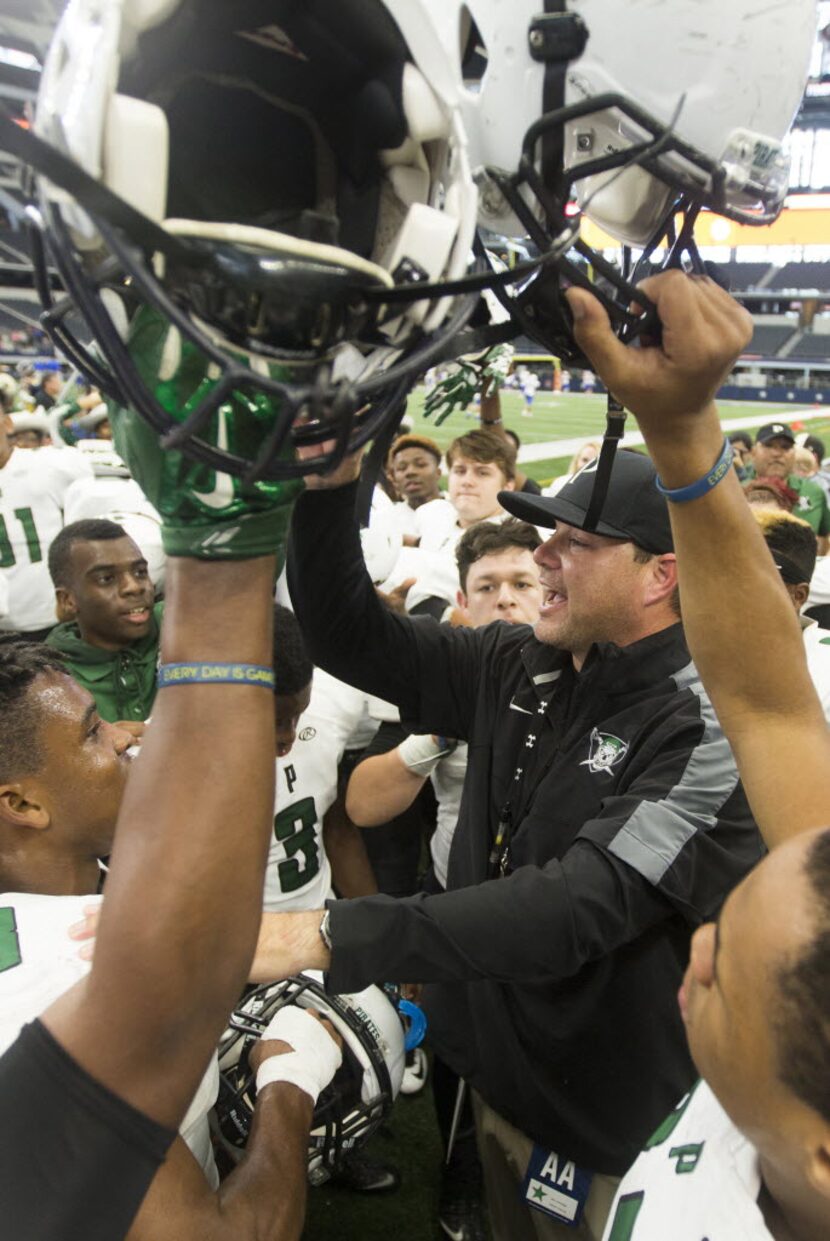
[556,985]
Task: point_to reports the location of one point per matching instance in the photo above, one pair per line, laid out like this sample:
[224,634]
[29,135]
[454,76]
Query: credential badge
[605,751]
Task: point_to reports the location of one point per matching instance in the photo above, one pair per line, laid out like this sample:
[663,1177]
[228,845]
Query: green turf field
[578,416]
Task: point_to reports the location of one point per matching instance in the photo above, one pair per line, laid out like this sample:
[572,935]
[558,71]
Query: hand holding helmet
[704,331]
[313,1055]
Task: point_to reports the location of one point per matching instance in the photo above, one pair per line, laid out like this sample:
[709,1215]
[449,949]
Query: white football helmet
[268,208]
[364,1088]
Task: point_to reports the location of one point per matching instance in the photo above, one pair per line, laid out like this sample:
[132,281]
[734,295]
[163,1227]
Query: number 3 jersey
[39,962]
[698,1179]
[298,874]
[33,484]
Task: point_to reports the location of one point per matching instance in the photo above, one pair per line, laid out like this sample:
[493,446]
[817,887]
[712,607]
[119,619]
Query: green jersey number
[625,1217]
[27,521]
[294,828]
[9,941]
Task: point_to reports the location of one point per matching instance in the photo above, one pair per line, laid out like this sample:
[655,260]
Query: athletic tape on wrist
[315,1058]
[198,673]
[421,754]
[718,472]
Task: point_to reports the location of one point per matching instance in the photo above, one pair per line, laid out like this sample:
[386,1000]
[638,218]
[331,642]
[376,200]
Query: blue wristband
[716,475]
[215,674]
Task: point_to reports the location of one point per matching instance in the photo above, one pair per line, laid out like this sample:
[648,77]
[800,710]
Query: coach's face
[733,1007]
[592,591]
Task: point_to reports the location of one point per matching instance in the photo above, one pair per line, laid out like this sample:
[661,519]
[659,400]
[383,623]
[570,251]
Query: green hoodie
[123,683]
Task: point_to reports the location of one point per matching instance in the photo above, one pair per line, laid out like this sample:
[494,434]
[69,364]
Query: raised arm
[741,629]
[165,975]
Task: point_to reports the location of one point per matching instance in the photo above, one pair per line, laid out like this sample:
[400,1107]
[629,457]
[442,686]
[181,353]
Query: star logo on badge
[539,1193]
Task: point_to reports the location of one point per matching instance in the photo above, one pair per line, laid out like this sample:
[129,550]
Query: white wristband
[421,754]
[315,1058]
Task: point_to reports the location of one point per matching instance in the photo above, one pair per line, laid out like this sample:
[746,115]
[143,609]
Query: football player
[33,487]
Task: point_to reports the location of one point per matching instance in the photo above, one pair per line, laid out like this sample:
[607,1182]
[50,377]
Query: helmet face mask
[262,168]
[293,191]
[363,1090]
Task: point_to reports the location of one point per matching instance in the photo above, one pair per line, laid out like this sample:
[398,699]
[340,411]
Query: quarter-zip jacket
[555,982]
[123,683]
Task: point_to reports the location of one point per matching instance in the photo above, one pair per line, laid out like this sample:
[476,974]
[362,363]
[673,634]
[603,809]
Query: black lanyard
[499,859]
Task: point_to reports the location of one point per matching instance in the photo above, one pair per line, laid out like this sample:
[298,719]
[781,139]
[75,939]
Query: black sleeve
[551,920]
[430,671]
[390,735]
[75,1160]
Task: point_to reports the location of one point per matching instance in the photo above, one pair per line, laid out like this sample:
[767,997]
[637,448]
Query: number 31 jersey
[298,874]
[33,483]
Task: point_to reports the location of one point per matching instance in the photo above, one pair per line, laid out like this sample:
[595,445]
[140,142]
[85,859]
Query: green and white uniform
[33,487]
[39,962]
[697,1180]
[298,873]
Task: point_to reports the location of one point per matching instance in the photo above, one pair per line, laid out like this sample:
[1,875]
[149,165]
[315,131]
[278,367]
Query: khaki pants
[505,1154]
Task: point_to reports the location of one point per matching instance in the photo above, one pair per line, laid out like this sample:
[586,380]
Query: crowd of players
[616,822]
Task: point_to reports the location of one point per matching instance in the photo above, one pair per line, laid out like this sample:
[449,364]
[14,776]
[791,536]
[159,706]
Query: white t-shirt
[298,873]
[820,583]
[39,962]
[438,569]
[33,488]
[817,649]
[698,1180]
[448,783]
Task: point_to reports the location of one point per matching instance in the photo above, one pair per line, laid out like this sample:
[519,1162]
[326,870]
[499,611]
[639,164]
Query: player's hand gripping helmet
[635,114]
[243,185]
[364,1088]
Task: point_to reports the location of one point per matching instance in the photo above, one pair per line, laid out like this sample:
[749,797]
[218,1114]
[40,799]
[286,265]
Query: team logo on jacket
[605,751]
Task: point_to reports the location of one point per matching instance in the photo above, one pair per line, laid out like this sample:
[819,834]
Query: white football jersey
[33,487]
[298,874]
[697,1180]
[39,962]
[817,650]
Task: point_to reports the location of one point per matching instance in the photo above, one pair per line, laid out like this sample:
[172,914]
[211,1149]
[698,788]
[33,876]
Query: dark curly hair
[21,663]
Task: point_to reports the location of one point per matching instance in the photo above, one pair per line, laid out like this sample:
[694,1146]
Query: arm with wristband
[295,1059]
[773,721]
[142,1026]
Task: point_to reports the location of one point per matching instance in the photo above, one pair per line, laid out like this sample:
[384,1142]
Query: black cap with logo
[774,430]
[634,509]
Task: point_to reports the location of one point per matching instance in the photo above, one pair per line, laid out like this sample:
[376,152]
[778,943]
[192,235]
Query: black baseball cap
[633,510]
[772,430]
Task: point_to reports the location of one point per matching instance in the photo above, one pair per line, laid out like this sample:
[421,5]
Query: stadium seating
[811,346]
[812,276]
[768,338]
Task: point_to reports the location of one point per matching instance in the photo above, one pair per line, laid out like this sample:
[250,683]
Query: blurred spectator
[584,455]
[770,493]
[741,442]
[793,545]
[773,456]
[816,446]
[48,390]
